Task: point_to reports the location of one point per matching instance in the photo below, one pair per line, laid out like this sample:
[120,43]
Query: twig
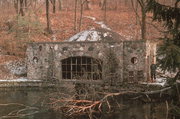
[167,107]
[177,88]
[12,104]
[109,106]
[18,113]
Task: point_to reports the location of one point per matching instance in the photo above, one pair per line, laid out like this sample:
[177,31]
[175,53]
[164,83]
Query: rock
[18,67]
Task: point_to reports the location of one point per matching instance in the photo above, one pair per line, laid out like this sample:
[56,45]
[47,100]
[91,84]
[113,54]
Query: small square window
[140,74]
[131,76]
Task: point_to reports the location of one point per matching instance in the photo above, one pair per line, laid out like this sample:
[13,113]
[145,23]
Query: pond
[32,104]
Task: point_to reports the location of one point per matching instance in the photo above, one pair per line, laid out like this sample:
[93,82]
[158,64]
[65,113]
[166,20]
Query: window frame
[81,67]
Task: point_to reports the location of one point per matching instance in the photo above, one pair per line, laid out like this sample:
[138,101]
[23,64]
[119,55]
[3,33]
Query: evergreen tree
[170,50]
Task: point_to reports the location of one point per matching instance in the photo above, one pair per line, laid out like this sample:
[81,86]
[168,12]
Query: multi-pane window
[131,75]
[81,68]
[136,75]
[140,75]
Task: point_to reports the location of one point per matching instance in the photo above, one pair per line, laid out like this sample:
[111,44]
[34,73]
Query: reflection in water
[34,102]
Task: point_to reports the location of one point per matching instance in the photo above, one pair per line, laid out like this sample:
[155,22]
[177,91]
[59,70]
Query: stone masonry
[126,61]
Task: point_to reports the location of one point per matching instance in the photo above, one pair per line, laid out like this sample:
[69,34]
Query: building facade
[95,54]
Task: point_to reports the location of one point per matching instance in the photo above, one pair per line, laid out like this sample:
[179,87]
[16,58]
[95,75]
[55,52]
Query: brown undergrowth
[62,23]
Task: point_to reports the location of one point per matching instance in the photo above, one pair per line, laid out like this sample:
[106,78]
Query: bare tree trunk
[25,4]
[105,10]
[16,6]
[54,6]
[102,4]
[136,8]
[177,77]
[87,5]
[21,12]
[35,5]
[60,5]
[47,17]
[75,15]
[116,5]
[142,4]
[143,25]
[80,22]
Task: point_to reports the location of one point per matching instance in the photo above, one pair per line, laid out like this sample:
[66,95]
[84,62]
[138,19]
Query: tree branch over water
[24,111]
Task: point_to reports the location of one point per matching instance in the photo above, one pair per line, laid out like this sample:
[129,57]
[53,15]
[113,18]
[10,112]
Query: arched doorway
[81,67]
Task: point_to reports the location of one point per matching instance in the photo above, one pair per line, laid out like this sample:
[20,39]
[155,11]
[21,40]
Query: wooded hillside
[23,21]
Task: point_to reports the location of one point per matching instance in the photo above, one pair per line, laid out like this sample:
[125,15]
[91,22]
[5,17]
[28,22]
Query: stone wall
[134,58]
[44,59]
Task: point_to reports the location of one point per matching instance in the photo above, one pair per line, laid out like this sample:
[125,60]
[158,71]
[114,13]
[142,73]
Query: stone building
[96,54]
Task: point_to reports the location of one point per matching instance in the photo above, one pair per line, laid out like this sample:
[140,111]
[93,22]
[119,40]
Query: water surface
[34,102]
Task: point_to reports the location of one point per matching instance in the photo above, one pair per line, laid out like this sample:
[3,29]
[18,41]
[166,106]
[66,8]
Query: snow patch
[22,79]
[158,81]
[94,36]
[80,36]
[165,73]
[89,17]
[112,46]
[103,25]
[90,35]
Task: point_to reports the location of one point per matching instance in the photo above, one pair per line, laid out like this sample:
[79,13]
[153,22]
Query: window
[35,59]
[81,68]
[140,75]
[40,48]
[134,60]
[131,75]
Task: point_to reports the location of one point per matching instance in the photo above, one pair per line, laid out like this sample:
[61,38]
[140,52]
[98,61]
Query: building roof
[98,34]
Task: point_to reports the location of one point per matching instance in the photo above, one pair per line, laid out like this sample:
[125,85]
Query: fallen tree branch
[77,107]
[157,91]
[19,104]
[20,113]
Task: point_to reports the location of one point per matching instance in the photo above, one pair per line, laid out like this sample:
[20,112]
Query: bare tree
[142,19]
[81,14]
[16,6]
[82,2]
[26,4]
[87,5]
[143,4]
[75,15]
[102,4]
[21,11]
[135,6]
[60,4]
[105,10]
[47,17]
[53,2]
[54,6]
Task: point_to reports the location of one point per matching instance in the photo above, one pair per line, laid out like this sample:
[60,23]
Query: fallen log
[157,91]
